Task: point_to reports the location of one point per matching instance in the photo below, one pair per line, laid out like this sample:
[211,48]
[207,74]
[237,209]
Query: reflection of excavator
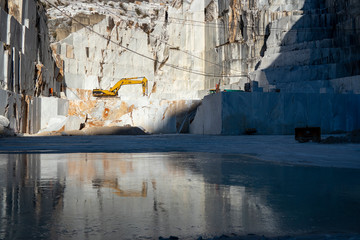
[113,183]
[124,81]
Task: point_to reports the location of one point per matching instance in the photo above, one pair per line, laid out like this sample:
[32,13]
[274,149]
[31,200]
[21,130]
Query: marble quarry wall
[306,52]
[154,116]
[138,39]
[28,71]
[234,113]
[293,46]
[185,48]
[316,50]
[236,37]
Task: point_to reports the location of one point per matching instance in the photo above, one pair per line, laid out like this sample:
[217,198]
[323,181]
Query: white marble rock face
[289,47]
[295,47]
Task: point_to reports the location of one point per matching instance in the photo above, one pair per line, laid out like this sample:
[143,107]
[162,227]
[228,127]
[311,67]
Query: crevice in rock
[163,62]
[110,25]
[155,62]
[6,110]
[264,47]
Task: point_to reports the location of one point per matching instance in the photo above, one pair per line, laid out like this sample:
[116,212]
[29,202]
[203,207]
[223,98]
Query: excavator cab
[124,81]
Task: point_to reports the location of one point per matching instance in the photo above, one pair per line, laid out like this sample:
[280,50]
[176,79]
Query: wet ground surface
[55,193]
[282,148]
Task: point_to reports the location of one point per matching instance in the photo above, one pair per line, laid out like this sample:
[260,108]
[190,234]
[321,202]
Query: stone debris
[4,127]
[55,124]
[352,137]
[4,121]
[74,123]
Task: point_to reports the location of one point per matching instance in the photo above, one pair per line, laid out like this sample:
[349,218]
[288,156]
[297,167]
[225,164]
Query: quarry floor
[194,185]
[278,148]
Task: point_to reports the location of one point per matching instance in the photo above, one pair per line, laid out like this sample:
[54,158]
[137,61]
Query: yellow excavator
[124,81]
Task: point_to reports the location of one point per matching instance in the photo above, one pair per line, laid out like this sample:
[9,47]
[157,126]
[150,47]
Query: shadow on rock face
[108,131]
[6,132]
[320,46]
[114,130]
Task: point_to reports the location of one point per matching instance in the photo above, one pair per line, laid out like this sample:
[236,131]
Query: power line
[196,72]
[216,25]
[166,43]
[261,28]
[223,25]
[193,71]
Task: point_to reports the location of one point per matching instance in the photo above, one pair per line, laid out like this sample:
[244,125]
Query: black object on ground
[250,131]
[308,133]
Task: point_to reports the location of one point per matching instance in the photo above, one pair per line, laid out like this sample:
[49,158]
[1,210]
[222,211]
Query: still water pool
[147,195]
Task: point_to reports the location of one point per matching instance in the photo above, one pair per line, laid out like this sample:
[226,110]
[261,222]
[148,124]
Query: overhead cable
[196,72]
[166,43]
[190,22]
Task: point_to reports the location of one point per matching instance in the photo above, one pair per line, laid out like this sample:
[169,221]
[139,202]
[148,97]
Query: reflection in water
[127,196]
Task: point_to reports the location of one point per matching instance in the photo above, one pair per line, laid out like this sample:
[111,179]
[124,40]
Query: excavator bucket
[97,93]
[102,93]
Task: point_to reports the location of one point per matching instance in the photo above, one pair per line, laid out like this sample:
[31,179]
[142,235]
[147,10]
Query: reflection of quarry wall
[276,113]
[27,69]
[160,182]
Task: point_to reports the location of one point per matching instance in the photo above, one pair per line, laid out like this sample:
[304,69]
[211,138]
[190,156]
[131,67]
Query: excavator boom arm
[125,81]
